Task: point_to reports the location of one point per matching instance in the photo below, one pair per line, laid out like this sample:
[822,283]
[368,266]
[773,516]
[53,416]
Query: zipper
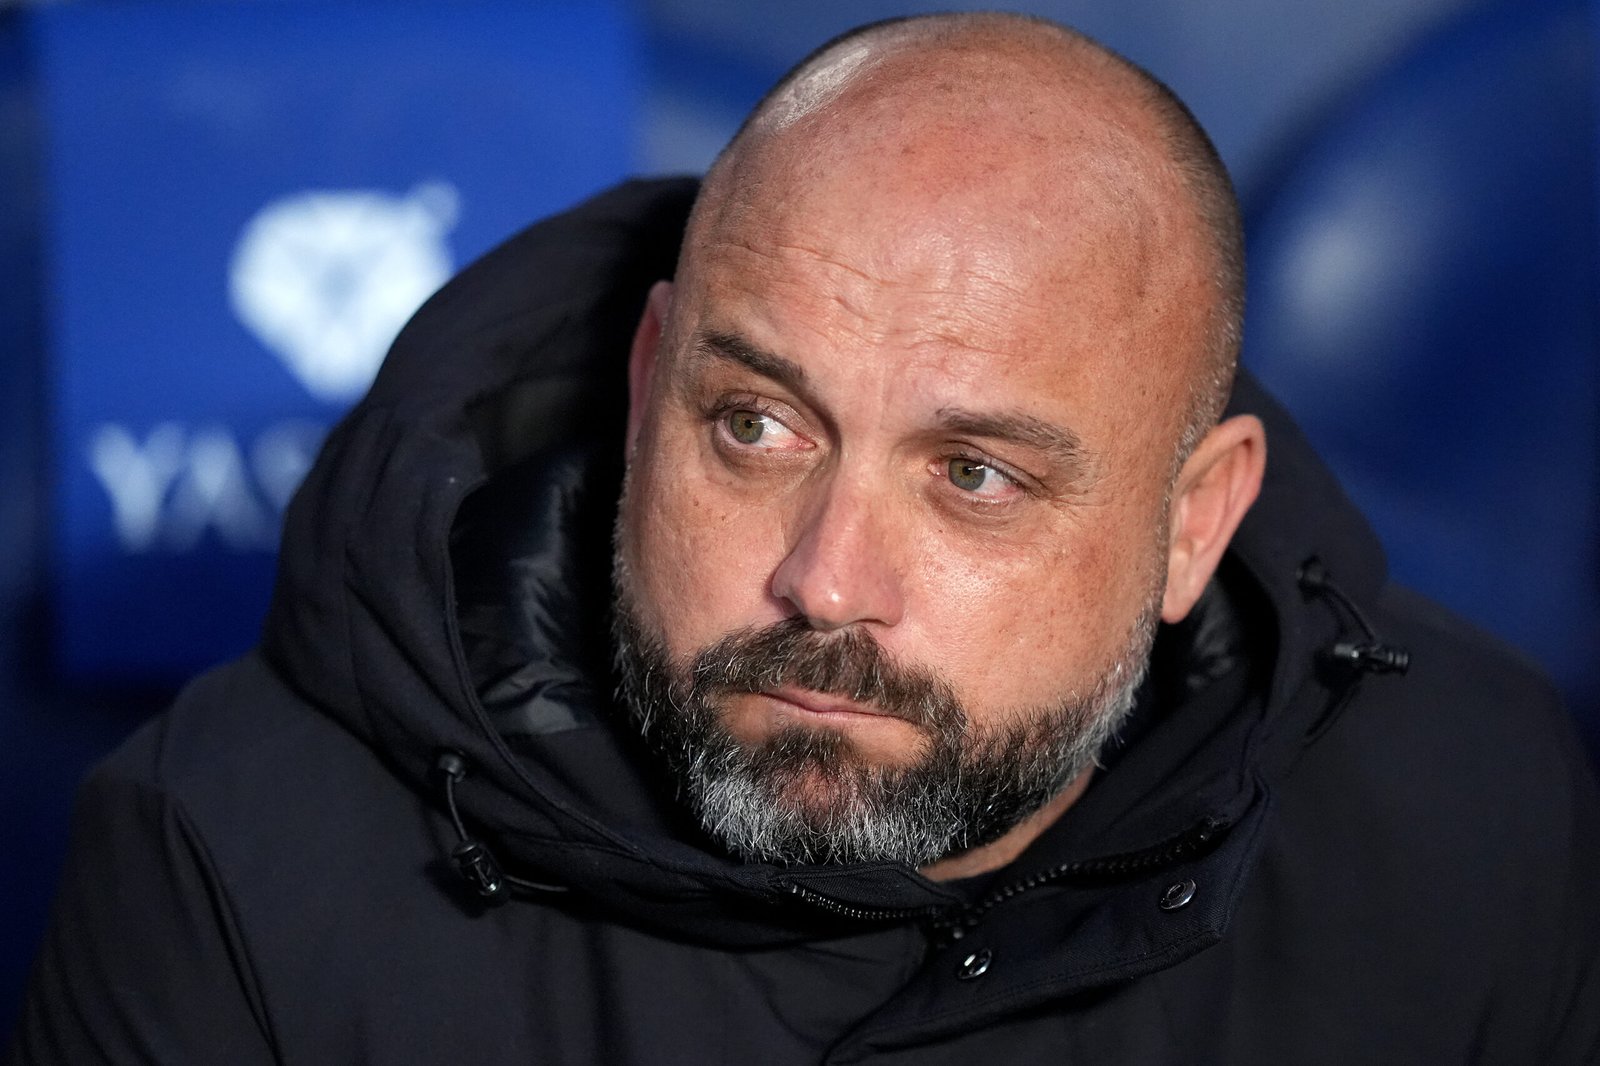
[862,914]
[1192,843]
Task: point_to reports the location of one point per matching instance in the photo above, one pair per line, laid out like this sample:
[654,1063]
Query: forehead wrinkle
[950,294]
[833,261]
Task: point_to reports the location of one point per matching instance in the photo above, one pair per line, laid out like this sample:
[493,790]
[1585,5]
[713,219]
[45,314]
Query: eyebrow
[1061,445]
[1057,443]
[736,349]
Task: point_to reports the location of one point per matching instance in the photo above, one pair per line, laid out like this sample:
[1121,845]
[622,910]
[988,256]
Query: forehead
[951,196]
[880,280]
[949,295]
[1046,247]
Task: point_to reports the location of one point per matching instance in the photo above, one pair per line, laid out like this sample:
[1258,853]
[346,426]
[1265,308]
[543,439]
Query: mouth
[807,702]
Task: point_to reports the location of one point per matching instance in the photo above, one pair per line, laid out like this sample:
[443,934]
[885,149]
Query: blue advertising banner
[244,204]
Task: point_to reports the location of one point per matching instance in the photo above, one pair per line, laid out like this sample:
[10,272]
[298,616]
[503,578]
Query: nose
[841,569]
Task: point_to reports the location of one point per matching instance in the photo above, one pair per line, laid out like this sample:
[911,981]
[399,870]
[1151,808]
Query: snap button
[1177,895]
[975,965]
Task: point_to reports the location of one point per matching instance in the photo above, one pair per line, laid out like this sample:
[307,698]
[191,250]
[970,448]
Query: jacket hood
[444,586]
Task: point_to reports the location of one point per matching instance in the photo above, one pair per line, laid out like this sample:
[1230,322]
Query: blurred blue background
[213,217]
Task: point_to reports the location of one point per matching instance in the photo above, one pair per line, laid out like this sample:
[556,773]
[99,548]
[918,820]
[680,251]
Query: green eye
[968,475]
[746,426]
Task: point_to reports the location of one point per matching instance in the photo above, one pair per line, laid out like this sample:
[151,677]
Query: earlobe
[642,357]
[1217,485]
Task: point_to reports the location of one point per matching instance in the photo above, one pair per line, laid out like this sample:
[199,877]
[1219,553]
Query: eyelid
[1027,485]
[782,414]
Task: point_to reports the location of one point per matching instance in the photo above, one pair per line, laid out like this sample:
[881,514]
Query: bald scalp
[952,67]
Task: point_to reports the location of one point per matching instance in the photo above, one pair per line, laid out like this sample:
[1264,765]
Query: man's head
[922,439]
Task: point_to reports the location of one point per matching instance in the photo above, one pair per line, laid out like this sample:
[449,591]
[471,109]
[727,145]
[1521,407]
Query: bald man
[950,681]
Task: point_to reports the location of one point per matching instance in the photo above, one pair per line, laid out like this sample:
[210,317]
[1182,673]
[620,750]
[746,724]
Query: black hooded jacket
[1296,854]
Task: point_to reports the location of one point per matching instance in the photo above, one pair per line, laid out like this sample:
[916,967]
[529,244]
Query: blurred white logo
[175,485]
[326,279]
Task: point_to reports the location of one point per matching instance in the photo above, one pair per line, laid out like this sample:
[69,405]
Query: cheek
[700,559]
[1021,626]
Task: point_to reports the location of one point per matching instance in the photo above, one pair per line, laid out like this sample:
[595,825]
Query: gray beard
[802,796]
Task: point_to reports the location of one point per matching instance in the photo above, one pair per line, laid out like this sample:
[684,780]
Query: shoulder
[1473,707]
[266,828]
[1472,738]
[292,814]
[1436,843]
[264,776]
[242,754]
[1448,646]
[1447,828]
[247,878]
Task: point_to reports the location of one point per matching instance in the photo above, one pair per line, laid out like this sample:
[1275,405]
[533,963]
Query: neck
[998,853]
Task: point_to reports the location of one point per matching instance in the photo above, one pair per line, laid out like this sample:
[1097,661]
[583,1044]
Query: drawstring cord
[1354,659]
[1371,656]
[473,861]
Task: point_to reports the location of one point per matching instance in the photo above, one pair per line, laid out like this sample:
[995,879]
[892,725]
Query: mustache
[849,664]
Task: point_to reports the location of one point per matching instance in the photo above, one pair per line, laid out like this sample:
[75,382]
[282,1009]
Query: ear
[642,357]
[1215,488]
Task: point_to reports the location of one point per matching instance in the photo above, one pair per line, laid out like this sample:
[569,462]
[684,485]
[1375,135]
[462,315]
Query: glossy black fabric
[1385,868]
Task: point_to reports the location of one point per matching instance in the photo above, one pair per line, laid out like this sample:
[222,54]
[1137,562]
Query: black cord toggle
[451,764]
[1372,655]
[475,863]
[1373,658]
[473,860]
